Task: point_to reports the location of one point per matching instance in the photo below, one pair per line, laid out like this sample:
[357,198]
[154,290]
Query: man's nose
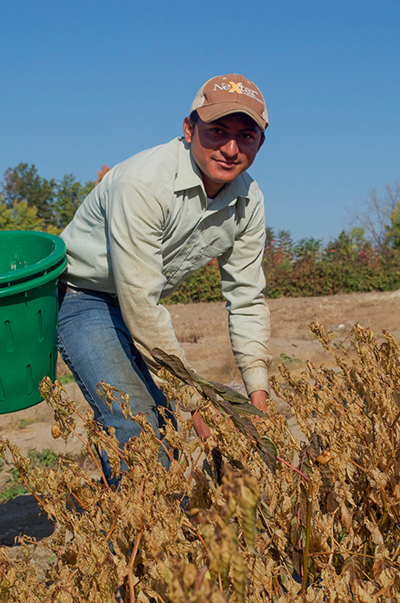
[230,148]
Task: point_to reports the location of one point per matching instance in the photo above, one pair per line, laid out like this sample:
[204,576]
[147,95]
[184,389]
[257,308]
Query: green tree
[284,247]
[19,217]
[51,203]
[69,195]
[23,183]
[278,248]
[349,245]
[307,249]
[393,229]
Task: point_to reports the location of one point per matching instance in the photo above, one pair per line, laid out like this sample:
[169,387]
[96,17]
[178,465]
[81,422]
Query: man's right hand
[202,430]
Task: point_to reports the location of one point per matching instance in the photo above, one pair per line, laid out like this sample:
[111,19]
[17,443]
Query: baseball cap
[232,93]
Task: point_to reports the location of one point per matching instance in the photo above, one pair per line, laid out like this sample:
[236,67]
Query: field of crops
[251,516]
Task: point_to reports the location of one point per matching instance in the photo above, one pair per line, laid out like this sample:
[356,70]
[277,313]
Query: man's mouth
[226,164]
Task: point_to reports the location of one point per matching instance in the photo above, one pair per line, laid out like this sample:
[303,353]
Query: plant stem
[199,579]
[24,479]
[161,443]
[294,468]
[308,535]
[85,443]
[397,551]
[130,566]
[114,523]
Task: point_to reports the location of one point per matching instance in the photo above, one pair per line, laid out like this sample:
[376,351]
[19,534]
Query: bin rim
[42,266]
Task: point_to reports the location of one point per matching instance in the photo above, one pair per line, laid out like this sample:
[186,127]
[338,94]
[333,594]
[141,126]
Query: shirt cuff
[255,379]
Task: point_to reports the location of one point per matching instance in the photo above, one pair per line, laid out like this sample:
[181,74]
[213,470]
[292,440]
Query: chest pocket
[195,254]
[213,236]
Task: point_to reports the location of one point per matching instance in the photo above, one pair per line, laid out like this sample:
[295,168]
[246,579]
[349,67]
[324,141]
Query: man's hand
[259,399]
[202,430]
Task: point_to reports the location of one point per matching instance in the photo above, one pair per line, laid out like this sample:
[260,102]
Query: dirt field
[202,330]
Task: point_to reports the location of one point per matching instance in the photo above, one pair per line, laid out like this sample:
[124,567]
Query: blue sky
[87,83]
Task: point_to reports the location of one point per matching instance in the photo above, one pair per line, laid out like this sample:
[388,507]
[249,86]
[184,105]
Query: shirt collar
[189,176]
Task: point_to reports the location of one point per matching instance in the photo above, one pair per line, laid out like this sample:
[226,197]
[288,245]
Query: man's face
[223,149]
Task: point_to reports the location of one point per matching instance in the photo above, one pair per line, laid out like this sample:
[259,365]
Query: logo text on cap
[239,88]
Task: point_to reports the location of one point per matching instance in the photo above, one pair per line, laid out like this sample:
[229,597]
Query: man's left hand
[259,399]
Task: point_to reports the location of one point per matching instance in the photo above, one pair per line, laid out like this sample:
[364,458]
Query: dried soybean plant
[347,518]
[248,516]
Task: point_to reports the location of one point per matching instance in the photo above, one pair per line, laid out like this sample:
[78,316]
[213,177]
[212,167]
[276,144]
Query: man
[152,221]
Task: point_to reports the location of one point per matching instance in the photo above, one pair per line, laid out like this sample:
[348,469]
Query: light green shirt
[147,226]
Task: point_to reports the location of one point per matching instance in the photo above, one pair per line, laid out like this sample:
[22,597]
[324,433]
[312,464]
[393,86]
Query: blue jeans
[96,345]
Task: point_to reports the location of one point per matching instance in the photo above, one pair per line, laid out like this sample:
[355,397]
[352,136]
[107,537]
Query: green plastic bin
[30,264]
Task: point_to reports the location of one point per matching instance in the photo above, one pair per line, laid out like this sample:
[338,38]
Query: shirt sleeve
[243,281]
[135,228]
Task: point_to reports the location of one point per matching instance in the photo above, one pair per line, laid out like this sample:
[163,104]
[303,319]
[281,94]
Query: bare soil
[202,329]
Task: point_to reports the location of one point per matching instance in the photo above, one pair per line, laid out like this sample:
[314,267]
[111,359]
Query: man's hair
[194,118]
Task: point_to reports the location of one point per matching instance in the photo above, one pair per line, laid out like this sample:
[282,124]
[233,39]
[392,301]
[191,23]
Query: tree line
[363,258]
[30,202]
[366,257]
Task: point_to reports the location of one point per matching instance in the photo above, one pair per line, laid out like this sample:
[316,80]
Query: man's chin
[229,178]
[225,176]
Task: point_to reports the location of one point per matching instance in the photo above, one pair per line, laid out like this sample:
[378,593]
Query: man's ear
[188,129]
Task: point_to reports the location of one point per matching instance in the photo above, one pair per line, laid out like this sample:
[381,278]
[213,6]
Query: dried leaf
[239,577]
[248,505]
[174,365]
[353,568]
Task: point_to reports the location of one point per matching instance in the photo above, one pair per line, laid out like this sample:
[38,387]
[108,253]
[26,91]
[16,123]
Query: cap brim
[218,110]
